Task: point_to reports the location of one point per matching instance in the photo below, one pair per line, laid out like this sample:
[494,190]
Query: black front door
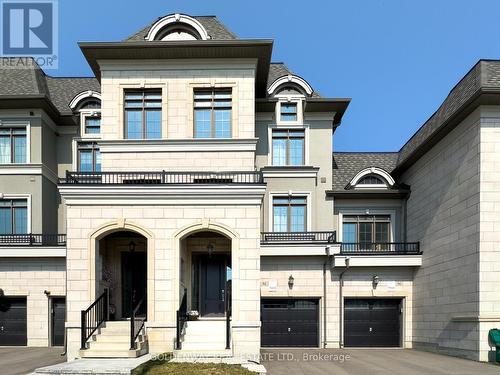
[372,322]
[58,316]
[134,281]
[213,281]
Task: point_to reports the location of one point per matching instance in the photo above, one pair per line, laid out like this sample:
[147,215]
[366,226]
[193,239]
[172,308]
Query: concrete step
[203,346]
[99,345]
[115,338]
[117,323]
[186,354]
[205,339]
[97,353]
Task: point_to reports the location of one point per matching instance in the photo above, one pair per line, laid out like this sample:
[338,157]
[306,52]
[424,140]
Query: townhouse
[187,199]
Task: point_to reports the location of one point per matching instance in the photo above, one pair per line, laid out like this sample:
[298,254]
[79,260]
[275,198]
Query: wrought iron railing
[94,317]
[161,178]
[228,308]
[291,237]
[380,248]
[136,325]
[32,239]
[181,317]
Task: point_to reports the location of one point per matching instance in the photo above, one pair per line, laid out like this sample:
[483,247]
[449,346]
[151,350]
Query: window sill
[290,171]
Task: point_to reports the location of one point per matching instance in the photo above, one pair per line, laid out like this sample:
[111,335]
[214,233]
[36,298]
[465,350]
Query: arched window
[371,180]
[177,27]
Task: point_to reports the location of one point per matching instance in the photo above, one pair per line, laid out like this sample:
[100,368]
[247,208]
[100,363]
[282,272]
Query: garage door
[372,322]
[290,322]
[13,321]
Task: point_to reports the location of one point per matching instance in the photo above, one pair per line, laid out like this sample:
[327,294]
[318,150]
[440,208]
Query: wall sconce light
[375,281]
[131,246]
[46,292]
[210,249]
[1,293]
[291,280]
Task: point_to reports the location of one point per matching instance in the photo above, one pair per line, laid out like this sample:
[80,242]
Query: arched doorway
[121,268]
[206,273]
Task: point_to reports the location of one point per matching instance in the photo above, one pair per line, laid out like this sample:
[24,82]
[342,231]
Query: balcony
[386,254]
[295,237]
[23,240]
[297,243]
[162,178]
[387,248]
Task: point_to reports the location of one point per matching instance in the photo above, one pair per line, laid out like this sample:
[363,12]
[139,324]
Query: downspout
[341,302]
[327,261]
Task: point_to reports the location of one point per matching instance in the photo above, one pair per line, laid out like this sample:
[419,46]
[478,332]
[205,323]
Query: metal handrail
[32,239]
[181,317]
[162,178]
[92,318]
[291,237]
[134,332]
[380,248]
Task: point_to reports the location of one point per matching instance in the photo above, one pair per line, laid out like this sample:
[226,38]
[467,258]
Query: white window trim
[272,127]
[84,95]
[274,194]
[89,113]
[385,176]
[28,204]
[300,109]
[367,211]
[17,124]
[286,80]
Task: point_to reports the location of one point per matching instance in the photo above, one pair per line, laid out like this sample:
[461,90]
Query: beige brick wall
[163,221]
[30,277]
[309,282]
[489,198]
[443,214]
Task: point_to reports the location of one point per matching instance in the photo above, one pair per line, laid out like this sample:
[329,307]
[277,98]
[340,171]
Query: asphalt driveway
[369,362]
[21,360]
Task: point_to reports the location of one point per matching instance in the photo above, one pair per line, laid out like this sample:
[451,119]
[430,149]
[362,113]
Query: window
[13,216]
[92,124]
[288,147]
[288,112]
[12,145]
[89,157]
[371,180]
[212,113]
[289,214]
[366,229]
[143,114]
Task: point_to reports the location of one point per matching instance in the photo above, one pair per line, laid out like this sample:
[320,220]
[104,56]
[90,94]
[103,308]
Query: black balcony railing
[381,248]
[293,237]
[32,240]
[161,178]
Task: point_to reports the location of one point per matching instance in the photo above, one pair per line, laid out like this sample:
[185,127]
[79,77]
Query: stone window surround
[20,124]
[290,126]
[28,204]
[84,113]
[299,100]
[276,194]
[367,211]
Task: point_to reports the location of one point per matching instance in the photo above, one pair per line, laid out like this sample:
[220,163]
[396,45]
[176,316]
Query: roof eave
[247,48]
[37,101]
[368,194]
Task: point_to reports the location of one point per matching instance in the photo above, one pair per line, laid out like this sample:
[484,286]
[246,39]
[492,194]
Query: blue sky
[396,59]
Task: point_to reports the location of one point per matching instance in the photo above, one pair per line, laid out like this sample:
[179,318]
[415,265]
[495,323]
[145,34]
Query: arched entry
[121,268]
[206,273]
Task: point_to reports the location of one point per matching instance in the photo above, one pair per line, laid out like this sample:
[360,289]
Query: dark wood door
[134,282]
[13,319]
[290,322]
[372,322]
[213,285]
[58,317]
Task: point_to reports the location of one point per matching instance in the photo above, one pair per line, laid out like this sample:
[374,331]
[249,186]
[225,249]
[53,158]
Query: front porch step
[185,354]
[113,341]
[204,337]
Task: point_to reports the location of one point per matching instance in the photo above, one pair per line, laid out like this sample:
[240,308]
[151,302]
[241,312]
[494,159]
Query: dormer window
[371,180]
[288,111]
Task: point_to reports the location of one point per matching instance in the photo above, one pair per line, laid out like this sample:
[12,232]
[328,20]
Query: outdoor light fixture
[131,246]
[1,293]
[210,249]
[291,280]
[375,281]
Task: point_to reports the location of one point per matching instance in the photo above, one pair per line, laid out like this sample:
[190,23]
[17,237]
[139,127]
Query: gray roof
[482,78]
[214,27]
[30,79]
[347,164]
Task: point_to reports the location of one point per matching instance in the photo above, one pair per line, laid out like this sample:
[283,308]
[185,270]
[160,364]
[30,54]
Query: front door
[213,285]
[134,279]
[58,316]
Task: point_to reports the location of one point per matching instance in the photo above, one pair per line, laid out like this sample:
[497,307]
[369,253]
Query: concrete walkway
[369,362]
[95,366]
[15,360]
